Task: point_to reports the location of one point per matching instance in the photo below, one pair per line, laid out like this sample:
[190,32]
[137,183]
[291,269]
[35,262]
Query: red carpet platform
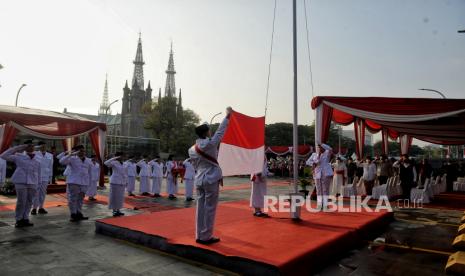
[251,245]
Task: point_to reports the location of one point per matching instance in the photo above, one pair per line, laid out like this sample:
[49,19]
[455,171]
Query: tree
[175,131]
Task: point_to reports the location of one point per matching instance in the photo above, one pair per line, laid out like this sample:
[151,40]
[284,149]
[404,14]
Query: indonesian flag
[243,146]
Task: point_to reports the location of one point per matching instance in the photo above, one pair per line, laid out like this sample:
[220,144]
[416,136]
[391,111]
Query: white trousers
[76,195]
[156,185]
[116,196]
[322,190]
[206,210]
[144,184]
[189,187]
[39,199]
[131,184]
[171,187]
[24,196]
[92,189]
[257,196]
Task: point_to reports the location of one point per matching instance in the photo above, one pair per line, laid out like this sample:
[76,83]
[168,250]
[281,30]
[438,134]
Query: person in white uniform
[157,176]
[2,172]
[132,173]
[170,174]
[322,173]
[26,178]
[258,192]
[118,180]
[144,176]
[208,178]
[340,177]
[94,179]
[189,175]
[46,171]
[77,180]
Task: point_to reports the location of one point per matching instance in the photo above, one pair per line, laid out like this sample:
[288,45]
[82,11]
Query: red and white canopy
[49,125]
[439,121]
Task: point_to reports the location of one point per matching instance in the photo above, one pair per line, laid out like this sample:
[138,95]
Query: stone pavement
[54,246]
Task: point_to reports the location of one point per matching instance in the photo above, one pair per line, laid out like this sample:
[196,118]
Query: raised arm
[10,154]
[108,163]
[66,160]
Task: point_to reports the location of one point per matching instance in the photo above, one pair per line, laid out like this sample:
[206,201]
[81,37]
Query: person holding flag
[208,177]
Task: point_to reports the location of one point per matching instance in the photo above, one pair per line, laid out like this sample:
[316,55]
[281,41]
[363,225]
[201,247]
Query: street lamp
[108,107]
[432,90]
[211,121]
[17,94]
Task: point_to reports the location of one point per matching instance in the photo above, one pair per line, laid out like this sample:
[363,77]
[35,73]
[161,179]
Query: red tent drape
[8,135]
[95,139]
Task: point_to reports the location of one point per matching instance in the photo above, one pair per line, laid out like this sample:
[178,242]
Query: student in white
[132,173]
[157,176]
[257,196]
[322,173]
[94,179]
[144,176]
[189,175]
[77,181]
[171,177]
[26,178]
[46,172]
[2,172]
[118,181]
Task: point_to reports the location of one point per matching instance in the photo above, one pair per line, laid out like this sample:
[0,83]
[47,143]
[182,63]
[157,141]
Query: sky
[62,50]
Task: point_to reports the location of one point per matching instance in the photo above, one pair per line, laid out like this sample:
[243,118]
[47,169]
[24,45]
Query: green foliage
[394,149]
[175,131]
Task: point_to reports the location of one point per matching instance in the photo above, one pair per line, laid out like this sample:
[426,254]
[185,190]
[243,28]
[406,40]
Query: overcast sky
[62,50]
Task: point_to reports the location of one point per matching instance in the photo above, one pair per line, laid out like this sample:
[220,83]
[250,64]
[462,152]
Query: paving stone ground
[54,246]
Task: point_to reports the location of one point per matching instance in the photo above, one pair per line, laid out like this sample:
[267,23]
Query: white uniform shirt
[2,171]
[170,165]
[27,168]
[81,169]
[322,162]
[190,171]
[207,172]
[46,165]
[119,171]
[144,168]
[95,172]
[68,168]
[369,171]
[157,168]
[132,168]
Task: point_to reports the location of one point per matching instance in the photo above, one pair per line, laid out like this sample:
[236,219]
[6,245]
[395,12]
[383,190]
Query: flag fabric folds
[243,146]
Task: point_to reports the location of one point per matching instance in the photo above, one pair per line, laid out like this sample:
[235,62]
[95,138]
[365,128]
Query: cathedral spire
[170,86]
[138,77]
[104,104]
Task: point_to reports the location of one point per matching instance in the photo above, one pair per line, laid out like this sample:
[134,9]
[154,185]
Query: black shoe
[91,198]
[171,197]
[26,223]
[19,223]
[80,216]
[210,241]
[261,215]
[34,212]
[131,194]
[189,199]
[145,194]
[156,195]
[74,218]
[42,211]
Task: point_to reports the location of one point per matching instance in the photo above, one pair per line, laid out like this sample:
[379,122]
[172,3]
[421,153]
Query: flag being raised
[243,145]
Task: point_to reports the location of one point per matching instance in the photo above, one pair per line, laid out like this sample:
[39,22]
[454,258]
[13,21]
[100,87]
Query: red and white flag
[243,146]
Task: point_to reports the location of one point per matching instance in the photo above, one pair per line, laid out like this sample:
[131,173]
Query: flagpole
[295,133]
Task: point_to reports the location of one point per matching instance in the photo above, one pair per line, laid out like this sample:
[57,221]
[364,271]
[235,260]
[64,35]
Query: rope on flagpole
[269,62]
[308,47]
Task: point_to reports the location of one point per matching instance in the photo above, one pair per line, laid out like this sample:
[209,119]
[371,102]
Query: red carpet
[291,248]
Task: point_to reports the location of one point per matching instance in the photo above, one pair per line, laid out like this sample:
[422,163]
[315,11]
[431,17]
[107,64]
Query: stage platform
[251,245]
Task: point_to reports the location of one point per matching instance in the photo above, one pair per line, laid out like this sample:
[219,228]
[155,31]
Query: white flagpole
[295,133]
